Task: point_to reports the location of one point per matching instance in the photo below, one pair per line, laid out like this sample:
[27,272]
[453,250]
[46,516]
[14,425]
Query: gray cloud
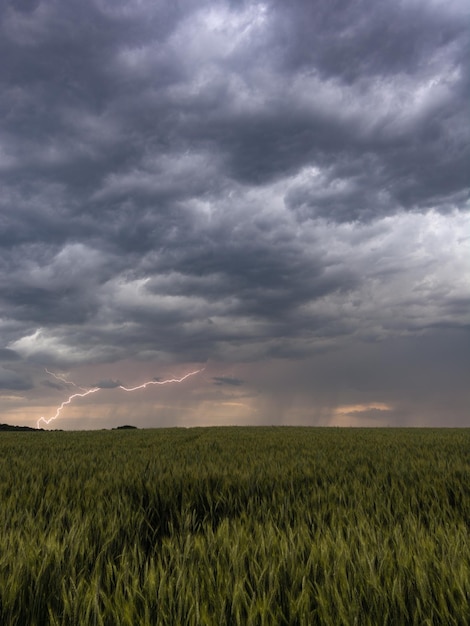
[230,181]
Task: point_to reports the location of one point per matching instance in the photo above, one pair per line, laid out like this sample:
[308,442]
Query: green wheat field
[279,525]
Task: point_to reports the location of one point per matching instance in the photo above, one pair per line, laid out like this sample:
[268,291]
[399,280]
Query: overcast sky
[277,192]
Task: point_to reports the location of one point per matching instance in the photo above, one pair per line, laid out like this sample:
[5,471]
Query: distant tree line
[11,427]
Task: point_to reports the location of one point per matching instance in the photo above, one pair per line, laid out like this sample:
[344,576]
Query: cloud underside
[245,297]
[230,181]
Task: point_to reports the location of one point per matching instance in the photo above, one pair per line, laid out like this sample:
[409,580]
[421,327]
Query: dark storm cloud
[108,384]
[8,355]
[13,380]
[52,385]
[230,180]
[227,380]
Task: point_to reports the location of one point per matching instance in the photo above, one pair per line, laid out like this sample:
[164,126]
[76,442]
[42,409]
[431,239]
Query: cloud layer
[241,183]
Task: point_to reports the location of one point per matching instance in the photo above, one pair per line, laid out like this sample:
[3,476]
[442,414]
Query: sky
[273,193]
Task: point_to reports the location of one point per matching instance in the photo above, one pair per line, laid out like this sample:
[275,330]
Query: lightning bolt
[161,382]
[87,392]
[68,401]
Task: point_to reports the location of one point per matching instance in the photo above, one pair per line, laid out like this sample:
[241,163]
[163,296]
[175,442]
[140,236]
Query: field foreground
[235,526]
